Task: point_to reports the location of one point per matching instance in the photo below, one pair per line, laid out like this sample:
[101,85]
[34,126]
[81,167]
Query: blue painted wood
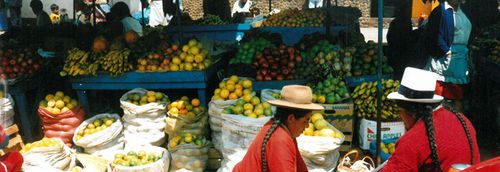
[145,77]
[230,32]
[260,85]
[291,36]
[83,100]
[131,85]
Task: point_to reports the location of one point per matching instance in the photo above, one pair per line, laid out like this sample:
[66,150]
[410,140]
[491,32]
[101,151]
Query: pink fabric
[282,153]
[413,151]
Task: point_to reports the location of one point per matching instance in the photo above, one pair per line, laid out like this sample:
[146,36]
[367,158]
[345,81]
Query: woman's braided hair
[279,118]
[464,125]
[424,112]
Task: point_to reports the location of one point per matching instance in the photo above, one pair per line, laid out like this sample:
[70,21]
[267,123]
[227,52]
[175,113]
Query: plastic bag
[215,120]
[175,124]
[61,158]
[143,124]
[102,141]
[61,125]
[267,95]
[347,165]
[7,111]
[161,165]
[189,157]
[238,133]
[320,153]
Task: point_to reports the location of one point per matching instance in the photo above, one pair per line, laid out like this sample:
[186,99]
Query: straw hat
[418,86]
[296,97]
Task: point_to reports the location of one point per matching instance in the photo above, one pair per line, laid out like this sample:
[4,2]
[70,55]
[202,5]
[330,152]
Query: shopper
[448,35]
[55,17]
[275,147]
[15,12]
[42,18]
[121,12]
[12,161]
[437,137]
[241,6]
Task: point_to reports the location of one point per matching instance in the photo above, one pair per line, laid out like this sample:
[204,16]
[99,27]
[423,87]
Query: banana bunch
[365,100]
[78,63]
[116,62]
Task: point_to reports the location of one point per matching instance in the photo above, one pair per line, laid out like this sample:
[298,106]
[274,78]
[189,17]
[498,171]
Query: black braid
[429,126]
[464,125]
[279,118]
[264,143]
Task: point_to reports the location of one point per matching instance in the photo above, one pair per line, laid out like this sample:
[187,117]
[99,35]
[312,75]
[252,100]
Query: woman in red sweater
[437,137]
[275,147]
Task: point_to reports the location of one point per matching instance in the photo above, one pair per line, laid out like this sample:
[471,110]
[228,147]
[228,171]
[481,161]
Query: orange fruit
[233,96]
[174,47]
[151,99]
[183,112]
[247,91]
[230,87]
[195,102]
[238,86]
[224,94]
[238,92]
[181,104]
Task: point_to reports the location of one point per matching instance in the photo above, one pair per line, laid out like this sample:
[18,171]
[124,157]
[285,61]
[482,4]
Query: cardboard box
[368,131]
[340,115]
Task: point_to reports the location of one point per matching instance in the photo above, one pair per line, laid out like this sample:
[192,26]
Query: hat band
[415,94]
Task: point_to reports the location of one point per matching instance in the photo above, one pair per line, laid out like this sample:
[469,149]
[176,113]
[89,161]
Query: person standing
[121,12]
[275,146]
[42,18]
[15,12]
[241,6]
[437,137]
[55,17]
[448,35]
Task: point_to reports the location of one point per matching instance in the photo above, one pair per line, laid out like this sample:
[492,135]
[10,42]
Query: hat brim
[397,96]
[282,103]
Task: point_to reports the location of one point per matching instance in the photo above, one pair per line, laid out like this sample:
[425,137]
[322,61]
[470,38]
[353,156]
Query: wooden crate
[340,116]
[15,143]
[347,144]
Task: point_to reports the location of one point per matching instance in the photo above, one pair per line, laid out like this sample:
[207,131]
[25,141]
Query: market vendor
[275,147]
[121,12]
[12,161]
[241,6]
[42,18]
[448,33]
[437,137]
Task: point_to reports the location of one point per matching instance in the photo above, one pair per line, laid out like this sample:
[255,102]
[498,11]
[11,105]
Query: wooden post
[379,79]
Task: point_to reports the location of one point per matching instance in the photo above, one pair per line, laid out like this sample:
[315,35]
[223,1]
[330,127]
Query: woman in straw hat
[437,137]
[275,147]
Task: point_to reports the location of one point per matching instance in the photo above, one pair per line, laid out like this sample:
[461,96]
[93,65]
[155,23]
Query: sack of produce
[48,154]
[60,116]
[319,144]
[238,132]
[189,153]
[140,159]
[186,116]
[270,94]
[100,134]
[6,110]
[144,116]
[91,163]
[229,90]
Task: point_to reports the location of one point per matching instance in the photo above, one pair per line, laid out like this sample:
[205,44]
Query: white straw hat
[417,85]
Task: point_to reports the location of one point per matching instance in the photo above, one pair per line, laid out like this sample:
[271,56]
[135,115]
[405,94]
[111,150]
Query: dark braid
[264,143]
[464,125]
[279,118]
[424,112]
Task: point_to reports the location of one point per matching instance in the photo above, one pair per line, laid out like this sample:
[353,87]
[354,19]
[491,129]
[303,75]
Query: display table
[18,90]
[260,85]
[196,80]
[230,32]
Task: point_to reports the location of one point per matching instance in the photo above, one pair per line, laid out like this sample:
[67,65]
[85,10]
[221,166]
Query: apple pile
[276,63]
[365,60]
[249,49]
[18,63]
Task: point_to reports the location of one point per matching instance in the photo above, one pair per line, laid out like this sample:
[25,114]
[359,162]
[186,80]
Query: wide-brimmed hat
[417,85]
[296,97]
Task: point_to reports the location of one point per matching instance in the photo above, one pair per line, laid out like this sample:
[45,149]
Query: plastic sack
[175,124]
[92,163]
[267,95]
[215,119]
[189,157]
[161,165]
[320,153]
[143,124]
[48,158]
[7,111]
[238,133]
[61,125]
[102,141]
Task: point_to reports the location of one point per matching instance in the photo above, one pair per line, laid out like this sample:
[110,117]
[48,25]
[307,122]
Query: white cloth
[157,17]
[241,9]
[130,23]
[315,3]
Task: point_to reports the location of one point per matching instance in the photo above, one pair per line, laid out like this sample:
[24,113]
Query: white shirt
[239,9]
[130,23]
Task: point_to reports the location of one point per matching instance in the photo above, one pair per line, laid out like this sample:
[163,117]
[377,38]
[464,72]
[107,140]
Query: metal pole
[379,78]
[93,12]
[270,7]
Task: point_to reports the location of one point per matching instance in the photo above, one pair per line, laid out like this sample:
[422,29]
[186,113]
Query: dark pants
[15,18]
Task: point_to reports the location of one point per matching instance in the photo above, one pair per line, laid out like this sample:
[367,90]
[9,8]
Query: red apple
[36,66]
[280,77]
[268,78]
[274,74]
[8,69]
[12,62]
[259,78]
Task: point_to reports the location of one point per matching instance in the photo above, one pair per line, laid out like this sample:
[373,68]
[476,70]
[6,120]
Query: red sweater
[413,151]
[282,153]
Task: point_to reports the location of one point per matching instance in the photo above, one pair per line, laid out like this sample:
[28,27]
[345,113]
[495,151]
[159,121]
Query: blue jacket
[440,31]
